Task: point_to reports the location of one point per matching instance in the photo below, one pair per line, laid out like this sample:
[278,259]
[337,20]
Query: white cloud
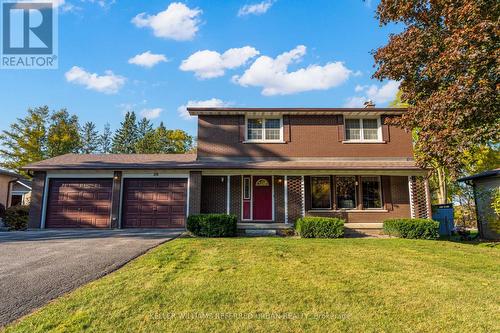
[151,113]
[273,76]
[256,9]
[379,95]
[383,94]
[208,64]
[355,102]
[213,102]
[147,59]
[177,22]
[108,83]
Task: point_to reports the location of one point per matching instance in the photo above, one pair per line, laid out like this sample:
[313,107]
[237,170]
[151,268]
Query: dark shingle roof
[489,173]
[194,111]
[189,161]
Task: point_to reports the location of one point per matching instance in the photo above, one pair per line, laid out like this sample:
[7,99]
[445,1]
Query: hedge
[16,217]
[212,225]
[320,227]
[2,211]
[412,228]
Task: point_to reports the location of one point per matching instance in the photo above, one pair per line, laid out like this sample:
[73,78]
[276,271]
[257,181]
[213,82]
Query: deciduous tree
[63,134]
[26,140]
[447,59]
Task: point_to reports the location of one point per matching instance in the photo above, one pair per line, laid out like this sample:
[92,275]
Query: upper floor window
[364,129]
[264,129]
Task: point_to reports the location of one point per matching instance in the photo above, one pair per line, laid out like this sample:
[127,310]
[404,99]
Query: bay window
[366,129]
[264,129]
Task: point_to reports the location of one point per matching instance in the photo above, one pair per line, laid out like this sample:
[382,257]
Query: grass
[287,285]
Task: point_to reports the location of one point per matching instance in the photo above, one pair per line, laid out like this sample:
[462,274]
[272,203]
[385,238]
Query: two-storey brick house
[263,165]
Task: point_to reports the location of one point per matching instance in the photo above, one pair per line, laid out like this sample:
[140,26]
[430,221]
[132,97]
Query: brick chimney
[369,104]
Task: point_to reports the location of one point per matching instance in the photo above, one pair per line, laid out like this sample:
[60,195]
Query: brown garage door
[79,203]
[154,203]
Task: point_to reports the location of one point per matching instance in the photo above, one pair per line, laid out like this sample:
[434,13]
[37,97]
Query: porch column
[303,188]
[428,198]
[286,198]
[194,192]
[228,195]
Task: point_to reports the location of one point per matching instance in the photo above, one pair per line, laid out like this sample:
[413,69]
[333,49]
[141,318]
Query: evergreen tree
[26,141]
[125,138]
[106,140]
[162,140]
[90,138]
[63,134]
[148,144]
[144,127]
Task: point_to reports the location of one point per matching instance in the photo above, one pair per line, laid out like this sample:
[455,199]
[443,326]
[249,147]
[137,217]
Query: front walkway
[38,266]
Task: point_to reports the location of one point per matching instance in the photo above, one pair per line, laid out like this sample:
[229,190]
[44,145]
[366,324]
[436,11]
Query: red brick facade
[304,136]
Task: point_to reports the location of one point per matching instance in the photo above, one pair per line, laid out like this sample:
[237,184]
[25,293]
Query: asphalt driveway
[38,266]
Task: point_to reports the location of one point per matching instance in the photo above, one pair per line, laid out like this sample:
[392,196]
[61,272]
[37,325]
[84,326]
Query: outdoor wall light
[222,179]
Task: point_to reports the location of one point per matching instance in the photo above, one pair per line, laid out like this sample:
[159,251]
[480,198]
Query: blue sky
[283,53]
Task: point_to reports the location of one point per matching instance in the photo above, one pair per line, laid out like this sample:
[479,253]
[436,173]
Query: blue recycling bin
[444,215]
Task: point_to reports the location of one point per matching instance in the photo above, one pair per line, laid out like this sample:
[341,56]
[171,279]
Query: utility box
[444,215]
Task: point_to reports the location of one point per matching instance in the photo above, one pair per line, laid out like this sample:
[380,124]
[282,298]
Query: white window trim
[263,140]
[249,188]
[329,193]
[361,134]
[379,192]
[250,177]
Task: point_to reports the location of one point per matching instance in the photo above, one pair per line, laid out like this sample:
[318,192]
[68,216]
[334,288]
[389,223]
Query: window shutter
[241,125]
[286,128]
[385,130]
[340,128]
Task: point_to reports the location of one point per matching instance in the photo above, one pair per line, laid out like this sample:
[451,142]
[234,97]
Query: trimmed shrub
[412,228]
[212,225]
[320,227]
[16,217]
[2,211]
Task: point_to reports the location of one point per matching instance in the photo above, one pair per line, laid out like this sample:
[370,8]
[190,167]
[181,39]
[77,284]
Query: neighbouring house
[265,165]
[486,186]
[14,189]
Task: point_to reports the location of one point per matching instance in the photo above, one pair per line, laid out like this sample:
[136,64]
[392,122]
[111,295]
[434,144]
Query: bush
[412,228]
[212,225]
[2,211]
[16,217]
[320,227]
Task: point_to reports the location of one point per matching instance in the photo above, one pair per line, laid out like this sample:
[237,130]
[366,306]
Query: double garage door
[86,203]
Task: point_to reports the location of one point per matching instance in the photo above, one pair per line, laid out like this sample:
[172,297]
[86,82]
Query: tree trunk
[442,186]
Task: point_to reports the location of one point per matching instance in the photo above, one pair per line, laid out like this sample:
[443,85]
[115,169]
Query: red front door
[262,198]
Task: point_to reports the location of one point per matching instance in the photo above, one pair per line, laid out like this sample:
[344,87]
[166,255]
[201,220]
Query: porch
[364,199]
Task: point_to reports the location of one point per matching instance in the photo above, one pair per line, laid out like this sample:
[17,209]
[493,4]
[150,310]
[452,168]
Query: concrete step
[264,229]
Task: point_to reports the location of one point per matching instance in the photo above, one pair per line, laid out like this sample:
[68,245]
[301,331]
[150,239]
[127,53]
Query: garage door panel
[149,203]
[79,203]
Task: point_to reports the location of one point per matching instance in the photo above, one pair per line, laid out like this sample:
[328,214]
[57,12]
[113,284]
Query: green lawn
[288,285]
